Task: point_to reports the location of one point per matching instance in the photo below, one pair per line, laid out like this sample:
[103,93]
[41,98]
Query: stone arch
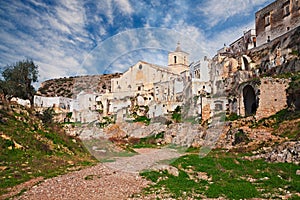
[249,97]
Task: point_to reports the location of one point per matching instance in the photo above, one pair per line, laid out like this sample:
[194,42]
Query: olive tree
[18,79]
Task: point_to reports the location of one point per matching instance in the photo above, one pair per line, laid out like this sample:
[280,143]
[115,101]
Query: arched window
[175,59]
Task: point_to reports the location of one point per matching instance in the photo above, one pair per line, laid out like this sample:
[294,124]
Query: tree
[18,79]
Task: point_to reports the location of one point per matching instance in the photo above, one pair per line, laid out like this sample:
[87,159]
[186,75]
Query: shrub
[240,137]
[143,119]
[232,117]
[176,115]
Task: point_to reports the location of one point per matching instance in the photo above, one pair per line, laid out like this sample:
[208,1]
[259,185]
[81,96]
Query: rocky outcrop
[71,86]
[287,152]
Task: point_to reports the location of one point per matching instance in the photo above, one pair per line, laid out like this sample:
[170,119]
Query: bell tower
[178,60]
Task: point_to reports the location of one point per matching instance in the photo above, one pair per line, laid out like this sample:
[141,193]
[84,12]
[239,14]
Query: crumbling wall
[273,96]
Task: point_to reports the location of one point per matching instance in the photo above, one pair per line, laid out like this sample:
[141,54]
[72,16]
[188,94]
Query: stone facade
[273,97]
[140,78]
[276,19]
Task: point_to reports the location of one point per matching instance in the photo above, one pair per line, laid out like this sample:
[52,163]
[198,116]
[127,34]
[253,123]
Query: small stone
[298,172]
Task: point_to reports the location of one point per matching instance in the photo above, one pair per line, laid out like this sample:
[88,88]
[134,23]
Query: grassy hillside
[30,149]
[225,175]
[230,174]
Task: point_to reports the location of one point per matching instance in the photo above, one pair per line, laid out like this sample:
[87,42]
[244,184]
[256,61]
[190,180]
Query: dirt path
[115,180]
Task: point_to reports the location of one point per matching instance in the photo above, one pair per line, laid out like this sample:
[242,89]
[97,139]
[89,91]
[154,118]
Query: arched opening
[175,59]
[249,100]
[246,63]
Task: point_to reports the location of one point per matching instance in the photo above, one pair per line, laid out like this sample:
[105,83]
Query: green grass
[229,177]
[143,119]
[275,120]
[232,117]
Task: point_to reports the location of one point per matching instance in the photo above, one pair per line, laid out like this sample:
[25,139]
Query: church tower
[178,61]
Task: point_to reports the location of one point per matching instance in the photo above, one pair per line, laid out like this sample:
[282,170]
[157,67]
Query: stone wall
[272,98]
[206,112]
[276,19]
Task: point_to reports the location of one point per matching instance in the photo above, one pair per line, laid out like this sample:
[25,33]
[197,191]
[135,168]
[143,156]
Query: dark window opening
[218,107]
[267,20]
[175,59]
[286,10]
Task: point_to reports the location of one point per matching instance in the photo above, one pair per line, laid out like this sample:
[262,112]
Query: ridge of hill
[71,86]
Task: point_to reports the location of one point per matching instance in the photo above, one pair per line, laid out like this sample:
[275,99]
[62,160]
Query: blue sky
[76,37]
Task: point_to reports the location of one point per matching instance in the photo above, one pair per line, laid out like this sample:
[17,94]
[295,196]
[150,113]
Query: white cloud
[124,6]
[218,11]
[53,38]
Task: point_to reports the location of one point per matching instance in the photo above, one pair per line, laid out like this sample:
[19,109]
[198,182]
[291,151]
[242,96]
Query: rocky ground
[114,180]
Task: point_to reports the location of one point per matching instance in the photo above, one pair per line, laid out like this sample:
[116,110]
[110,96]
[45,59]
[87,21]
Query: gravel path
[147,159]
[115,180]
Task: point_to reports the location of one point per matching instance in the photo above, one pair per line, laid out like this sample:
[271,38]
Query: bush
[47,116]
[232,117]
[143,119]
[240,137]
[176,115]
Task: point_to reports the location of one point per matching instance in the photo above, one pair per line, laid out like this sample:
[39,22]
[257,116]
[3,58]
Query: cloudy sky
[75,37]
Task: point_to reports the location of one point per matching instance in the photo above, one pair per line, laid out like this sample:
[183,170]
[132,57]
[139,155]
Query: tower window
[175,59]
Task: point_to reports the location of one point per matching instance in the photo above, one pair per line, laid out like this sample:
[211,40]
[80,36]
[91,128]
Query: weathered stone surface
[184,134]
[287,152]
[272,97]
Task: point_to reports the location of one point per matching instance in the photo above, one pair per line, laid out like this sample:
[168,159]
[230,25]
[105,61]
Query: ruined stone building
[276,19]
